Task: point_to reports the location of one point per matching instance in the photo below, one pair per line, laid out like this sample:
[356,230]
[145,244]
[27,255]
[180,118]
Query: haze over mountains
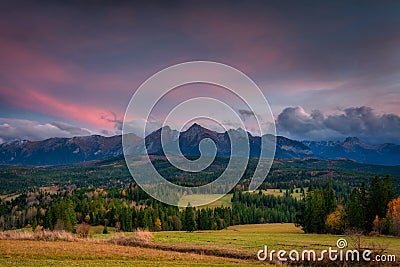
[55,151]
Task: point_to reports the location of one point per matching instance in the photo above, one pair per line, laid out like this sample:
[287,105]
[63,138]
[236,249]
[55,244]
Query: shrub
[142,235]
[83,230]
[45,235]
[139,236]
[38,228]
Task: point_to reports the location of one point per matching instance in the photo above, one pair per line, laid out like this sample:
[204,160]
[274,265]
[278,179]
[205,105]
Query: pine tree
[329,198]
[315,208]
[189,222]
[379,195]
[356,208]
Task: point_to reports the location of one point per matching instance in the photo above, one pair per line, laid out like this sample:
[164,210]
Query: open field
[251,238]
[166,248]
[224,201]
[248,239]
[62,253]
[277,192]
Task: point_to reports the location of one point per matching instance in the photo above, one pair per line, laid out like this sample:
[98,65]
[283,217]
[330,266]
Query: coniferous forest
[129,209]
[320,200]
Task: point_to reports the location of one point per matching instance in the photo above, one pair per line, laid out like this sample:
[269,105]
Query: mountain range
[57,151]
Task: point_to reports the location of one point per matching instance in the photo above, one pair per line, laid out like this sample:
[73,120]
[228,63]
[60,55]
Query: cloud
[13,129]
[361,122]
[114,119]
[246,113]
[70,128]
[76,62]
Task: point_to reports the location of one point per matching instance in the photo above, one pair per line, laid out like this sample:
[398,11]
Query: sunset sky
[329,69]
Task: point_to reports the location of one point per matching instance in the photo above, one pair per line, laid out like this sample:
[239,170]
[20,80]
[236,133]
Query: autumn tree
[157,225]
[336,221]
[393,216]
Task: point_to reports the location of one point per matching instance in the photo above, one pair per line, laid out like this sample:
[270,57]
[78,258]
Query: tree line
[372,208]
[131,208]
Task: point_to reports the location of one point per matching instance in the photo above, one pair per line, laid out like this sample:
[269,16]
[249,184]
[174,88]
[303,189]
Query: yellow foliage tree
[37,228]
[157,224]
[377,224]
[87,218]
[393,214]
[336,221]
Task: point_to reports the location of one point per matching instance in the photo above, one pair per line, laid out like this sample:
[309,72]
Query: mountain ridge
[60,151]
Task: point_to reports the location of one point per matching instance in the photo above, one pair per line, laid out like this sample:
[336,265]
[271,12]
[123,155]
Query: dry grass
[138,237]
[87,253]
[143,236]
[44,235]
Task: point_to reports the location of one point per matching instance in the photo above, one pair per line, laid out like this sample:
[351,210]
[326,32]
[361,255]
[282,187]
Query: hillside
[113,172]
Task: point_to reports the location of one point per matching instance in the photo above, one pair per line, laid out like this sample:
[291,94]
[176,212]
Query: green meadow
[236,240]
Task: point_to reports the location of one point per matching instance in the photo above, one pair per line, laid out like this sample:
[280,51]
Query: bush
[142,235]
[38,228]
[45,235]
[83,230]
[139,236]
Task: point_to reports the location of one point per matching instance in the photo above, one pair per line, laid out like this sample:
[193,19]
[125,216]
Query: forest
[331,197]
[131,208]
[368,209]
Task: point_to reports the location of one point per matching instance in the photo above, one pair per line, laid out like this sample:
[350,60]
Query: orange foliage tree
[393,214]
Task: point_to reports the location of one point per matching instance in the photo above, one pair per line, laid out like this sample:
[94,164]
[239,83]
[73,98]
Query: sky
[329,69]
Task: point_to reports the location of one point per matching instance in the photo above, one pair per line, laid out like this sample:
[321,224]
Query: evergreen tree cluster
[253,208]
[365,209]
[364,204]
[315,208]
[131,208]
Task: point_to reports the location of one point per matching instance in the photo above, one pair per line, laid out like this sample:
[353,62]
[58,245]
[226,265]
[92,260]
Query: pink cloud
[38,82]
[36,101]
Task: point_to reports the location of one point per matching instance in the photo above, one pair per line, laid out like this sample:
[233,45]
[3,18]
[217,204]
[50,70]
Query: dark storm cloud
[295,120]
[361,122]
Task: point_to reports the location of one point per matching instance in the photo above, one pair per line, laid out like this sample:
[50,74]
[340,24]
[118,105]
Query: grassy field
[194,200]
[251,238]
[278,192]
[225,200]
[241,239]
[62,253]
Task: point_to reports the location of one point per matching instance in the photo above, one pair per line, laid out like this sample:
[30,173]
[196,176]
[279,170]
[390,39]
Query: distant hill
[58,151]
[355,149]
